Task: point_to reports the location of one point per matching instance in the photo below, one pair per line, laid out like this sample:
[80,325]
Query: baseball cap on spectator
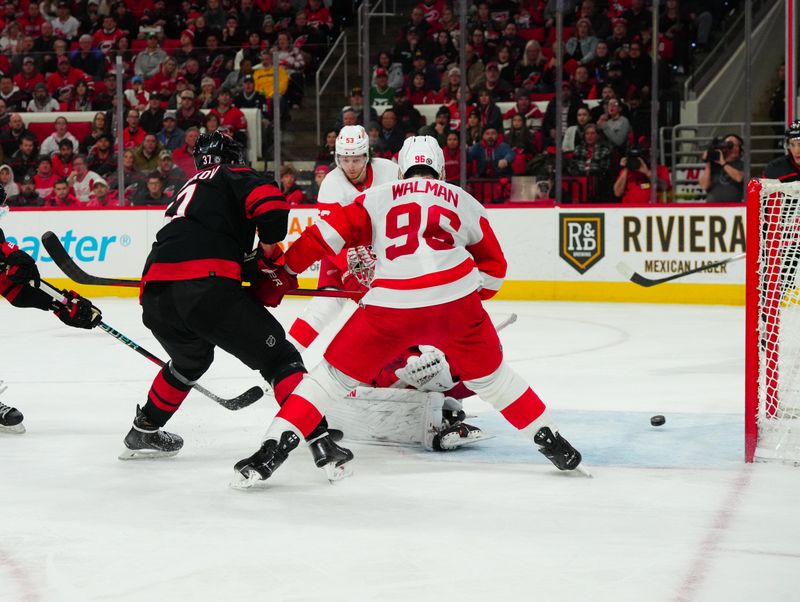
[40,86]
[99,182]
[613,65]
[492,65]
[381,72]
[187,94]
[321,169]
[169,115]
[137,79]
[443,110]
[268,20]
[63,5]
[412,30]
[165,154]
[619,21]
[207,81]
[248,78]
[356,91]
[180,80]
[418,54]
[28,179]
[454,71]
[28,59]
[188,33]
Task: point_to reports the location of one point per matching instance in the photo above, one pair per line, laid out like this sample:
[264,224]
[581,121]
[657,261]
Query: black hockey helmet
[217,148]
[792,131]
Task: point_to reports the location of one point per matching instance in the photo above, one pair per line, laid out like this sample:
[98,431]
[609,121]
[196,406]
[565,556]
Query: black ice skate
[456,433]
[11,420]
[557,449]
[146,440]
[265,461]
[330,457]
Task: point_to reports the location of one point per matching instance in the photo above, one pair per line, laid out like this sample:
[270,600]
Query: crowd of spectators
[606,91]
[188,66]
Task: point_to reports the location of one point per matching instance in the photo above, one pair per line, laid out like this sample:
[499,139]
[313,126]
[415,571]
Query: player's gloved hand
[428,371]
[77,311]
[20,267]
[274,283]
[350,282]
[361,263]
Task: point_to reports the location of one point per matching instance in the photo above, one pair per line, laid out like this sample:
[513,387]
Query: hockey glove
[275,281]
[20,267]
[361,264]
[428,371]
[351,282]
[76,311]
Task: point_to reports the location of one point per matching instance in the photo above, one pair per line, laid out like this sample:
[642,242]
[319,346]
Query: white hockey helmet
[421,150]
[352,141]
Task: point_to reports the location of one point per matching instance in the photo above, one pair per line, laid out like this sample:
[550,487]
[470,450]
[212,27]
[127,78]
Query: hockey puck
[657,420]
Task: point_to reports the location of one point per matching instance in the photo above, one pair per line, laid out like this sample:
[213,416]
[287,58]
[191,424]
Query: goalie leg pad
[392,416]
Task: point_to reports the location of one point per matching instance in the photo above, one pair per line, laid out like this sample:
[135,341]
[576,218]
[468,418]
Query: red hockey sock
[165,397]
[523,410]
[300,413]
[285,386]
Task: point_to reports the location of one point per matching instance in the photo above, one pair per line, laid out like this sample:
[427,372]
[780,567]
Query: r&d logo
[581,239]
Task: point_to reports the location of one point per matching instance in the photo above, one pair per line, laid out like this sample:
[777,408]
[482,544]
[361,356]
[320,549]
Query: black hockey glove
[76,311]
[20,267]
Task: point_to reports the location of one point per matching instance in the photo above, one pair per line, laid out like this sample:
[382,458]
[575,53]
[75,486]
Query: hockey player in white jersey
[437,258]
[355,172]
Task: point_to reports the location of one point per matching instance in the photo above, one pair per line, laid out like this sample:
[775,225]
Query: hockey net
[772,378]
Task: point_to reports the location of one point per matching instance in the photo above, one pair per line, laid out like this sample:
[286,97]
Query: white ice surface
[671,513]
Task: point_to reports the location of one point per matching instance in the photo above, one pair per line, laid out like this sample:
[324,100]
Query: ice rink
[672,513]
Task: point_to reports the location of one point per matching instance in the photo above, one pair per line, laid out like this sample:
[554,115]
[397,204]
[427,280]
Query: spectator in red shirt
[319,17]
[61,196]
[184,156]
[133,135]
[31,23]
[633,181]
[229,116]
[65,76]
[28,77]
[102,196]
[418,93]
[293,193]
[44,178]
[165,78]
[62,160]
[452,158]
[108,35]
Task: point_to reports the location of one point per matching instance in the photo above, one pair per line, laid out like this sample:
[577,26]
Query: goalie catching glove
[76,311]
[428,371]
[270,281]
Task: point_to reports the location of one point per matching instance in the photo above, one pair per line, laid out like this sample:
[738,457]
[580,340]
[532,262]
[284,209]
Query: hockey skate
[456,433]
[146,440]
[260,466]
[331,457]
[558,450]
[11,420]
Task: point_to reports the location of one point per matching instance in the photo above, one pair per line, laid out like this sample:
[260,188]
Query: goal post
[772,338]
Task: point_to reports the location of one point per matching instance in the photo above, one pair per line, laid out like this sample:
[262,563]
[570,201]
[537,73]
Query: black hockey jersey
[783,169]
[213,222]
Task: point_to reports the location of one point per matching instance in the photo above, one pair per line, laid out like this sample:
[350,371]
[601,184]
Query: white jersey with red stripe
[336,189]
[432,241]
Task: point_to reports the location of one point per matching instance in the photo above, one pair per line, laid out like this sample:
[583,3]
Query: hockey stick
[507,322]
[637,278]
[74,272]
[237,403]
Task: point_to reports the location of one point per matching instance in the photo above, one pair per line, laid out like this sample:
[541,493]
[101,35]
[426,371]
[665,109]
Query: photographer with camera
[633,181]
[723,175]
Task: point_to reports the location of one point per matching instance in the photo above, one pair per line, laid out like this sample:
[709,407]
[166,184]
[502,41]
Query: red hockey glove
[76,311]
[274,283]
[350,282]
[20,267]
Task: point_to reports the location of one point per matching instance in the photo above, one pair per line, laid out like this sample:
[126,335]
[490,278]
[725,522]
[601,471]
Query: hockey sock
[286,385]
[510,394]
[303,334]
[166,394]
[301,414]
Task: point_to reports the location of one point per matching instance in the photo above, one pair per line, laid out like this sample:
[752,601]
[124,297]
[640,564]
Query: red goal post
[772,339]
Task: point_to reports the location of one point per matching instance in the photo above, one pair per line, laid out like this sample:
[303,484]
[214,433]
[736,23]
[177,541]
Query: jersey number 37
[405,222]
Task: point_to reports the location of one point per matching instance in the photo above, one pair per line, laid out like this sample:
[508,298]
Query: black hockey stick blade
[247,398]
[66,264]
[637,278]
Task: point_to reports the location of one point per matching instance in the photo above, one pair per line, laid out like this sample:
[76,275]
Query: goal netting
[772,422]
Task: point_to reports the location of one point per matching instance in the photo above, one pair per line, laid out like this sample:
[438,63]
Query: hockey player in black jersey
[19,282]
[787,167]
[193,300]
